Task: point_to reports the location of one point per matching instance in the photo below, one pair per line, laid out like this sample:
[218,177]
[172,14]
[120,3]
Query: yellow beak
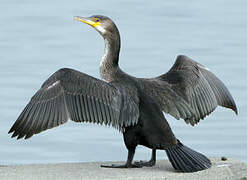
[87,21]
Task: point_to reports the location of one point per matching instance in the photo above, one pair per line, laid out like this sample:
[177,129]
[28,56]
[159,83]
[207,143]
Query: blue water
[39,37]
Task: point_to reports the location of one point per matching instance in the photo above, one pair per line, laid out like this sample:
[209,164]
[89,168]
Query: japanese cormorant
[132,105]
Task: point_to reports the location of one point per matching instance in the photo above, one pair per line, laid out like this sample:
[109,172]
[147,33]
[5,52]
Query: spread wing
[196,85]
[169,100]
[70,94]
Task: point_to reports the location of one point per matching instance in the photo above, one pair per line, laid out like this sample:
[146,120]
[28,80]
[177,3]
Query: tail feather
[173,162]
[185,159]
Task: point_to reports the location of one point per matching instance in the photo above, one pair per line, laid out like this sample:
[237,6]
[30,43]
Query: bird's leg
[128,163]
[148,163]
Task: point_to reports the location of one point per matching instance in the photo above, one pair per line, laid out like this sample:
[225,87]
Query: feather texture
[70,94]
[189,91]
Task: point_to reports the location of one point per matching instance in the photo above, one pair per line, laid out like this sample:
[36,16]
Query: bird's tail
[185,159]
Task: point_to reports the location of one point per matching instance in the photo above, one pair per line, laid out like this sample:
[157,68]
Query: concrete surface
[229,169]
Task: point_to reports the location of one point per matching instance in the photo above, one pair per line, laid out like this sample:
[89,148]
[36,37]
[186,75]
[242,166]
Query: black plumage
[132,105]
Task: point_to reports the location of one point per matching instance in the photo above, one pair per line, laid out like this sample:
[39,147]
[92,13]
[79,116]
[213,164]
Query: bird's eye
[97,20]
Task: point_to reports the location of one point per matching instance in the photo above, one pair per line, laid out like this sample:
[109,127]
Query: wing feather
[200,91]
[222,94]
[69,94]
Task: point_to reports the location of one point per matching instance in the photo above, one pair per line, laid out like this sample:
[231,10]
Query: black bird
[132,105]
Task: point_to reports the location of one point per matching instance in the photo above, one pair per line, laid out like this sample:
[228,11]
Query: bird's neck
[109,62]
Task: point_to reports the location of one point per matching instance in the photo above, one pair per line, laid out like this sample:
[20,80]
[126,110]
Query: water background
[39,37]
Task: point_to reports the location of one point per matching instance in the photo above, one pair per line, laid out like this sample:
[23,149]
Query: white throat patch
[105,53]
[100,29]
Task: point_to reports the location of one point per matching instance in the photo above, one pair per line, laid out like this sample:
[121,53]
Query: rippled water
[39,37]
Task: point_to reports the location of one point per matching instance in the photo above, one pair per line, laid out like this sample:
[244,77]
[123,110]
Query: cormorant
[132,105]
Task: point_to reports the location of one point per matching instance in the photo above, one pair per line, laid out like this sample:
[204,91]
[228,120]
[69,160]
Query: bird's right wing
[70,94]
[198,89]
[169,101]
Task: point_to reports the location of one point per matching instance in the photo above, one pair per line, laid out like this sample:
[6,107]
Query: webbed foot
[145,163]
[121,166]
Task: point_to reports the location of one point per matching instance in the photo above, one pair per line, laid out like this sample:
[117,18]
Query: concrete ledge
[229,169]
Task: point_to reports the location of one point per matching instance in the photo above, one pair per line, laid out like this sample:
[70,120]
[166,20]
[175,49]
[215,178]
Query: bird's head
[104,25]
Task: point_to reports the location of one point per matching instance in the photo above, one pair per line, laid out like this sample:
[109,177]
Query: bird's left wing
[70,94]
